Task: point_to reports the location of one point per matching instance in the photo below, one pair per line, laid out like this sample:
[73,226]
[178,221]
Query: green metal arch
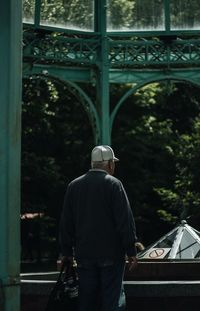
[84,99]
[140,85]
[88,106]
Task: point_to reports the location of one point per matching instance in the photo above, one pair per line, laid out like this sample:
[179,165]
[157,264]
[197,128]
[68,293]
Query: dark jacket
[97,220]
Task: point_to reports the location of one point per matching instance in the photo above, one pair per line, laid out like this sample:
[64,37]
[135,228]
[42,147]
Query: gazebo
[143,42]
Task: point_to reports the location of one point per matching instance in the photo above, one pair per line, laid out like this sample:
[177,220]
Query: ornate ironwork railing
[153,52]
[54,48]
[132,53]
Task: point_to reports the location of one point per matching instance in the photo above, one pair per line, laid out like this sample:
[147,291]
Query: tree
[70,13]
[122,14]
[184,196]
[56,136]
[150,135]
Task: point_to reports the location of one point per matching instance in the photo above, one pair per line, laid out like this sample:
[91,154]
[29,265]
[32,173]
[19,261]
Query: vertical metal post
[167,15]
[37,13]
[103,70]
[10,124]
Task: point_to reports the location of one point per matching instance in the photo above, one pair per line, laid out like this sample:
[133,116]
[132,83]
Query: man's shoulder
[82,178]
[77,180]
[113,179]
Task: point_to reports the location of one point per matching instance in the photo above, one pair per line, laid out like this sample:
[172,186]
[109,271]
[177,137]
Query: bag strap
[70,270]
[61,272]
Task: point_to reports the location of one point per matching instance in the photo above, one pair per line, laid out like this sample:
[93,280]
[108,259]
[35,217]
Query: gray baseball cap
[103,153]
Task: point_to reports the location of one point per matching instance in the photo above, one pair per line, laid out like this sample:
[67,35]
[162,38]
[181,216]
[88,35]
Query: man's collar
[97,170]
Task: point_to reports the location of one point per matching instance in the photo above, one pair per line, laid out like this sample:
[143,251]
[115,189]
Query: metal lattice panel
[147,53]
[79,50]
[58,49]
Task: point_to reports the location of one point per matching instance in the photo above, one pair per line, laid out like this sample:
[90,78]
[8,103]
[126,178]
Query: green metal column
[103,72]
[10,102]
[37,12]
[167,16]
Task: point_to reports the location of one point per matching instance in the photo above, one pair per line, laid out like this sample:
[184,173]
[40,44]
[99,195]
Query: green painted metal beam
[75,74]
[146,75]
[123,76]
[10,124]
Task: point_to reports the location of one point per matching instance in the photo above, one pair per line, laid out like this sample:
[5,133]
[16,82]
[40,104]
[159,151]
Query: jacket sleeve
[66,229]
[124,221]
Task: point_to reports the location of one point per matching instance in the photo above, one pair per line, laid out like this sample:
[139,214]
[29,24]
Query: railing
[131,53]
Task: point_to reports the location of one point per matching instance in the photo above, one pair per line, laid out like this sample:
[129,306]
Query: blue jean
[100,285]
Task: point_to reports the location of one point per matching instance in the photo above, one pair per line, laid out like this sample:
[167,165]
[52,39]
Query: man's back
[97,223]
[93,198]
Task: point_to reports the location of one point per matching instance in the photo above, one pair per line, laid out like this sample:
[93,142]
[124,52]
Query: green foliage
[185,13]
[28,8]
[56,137]
[167,217]
[120,13]
[184,197]
[156,133]
[70,13]
[157,137]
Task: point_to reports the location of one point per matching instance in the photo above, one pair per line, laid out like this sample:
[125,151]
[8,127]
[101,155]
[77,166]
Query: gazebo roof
[183,242]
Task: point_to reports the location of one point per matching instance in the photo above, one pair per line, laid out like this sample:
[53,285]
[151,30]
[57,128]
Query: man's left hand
[65,260]
[132,263]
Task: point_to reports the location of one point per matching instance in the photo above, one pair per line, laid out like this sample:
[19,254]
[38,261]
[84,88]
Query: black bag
[64,295]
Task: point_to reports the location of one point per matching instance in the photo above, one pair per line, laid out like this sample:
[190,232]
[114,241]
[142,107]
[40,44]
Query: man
[97,227]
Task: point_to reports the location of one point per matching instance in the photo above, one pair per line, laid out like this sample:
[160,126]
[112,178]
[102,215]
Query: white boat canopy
[183,242]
